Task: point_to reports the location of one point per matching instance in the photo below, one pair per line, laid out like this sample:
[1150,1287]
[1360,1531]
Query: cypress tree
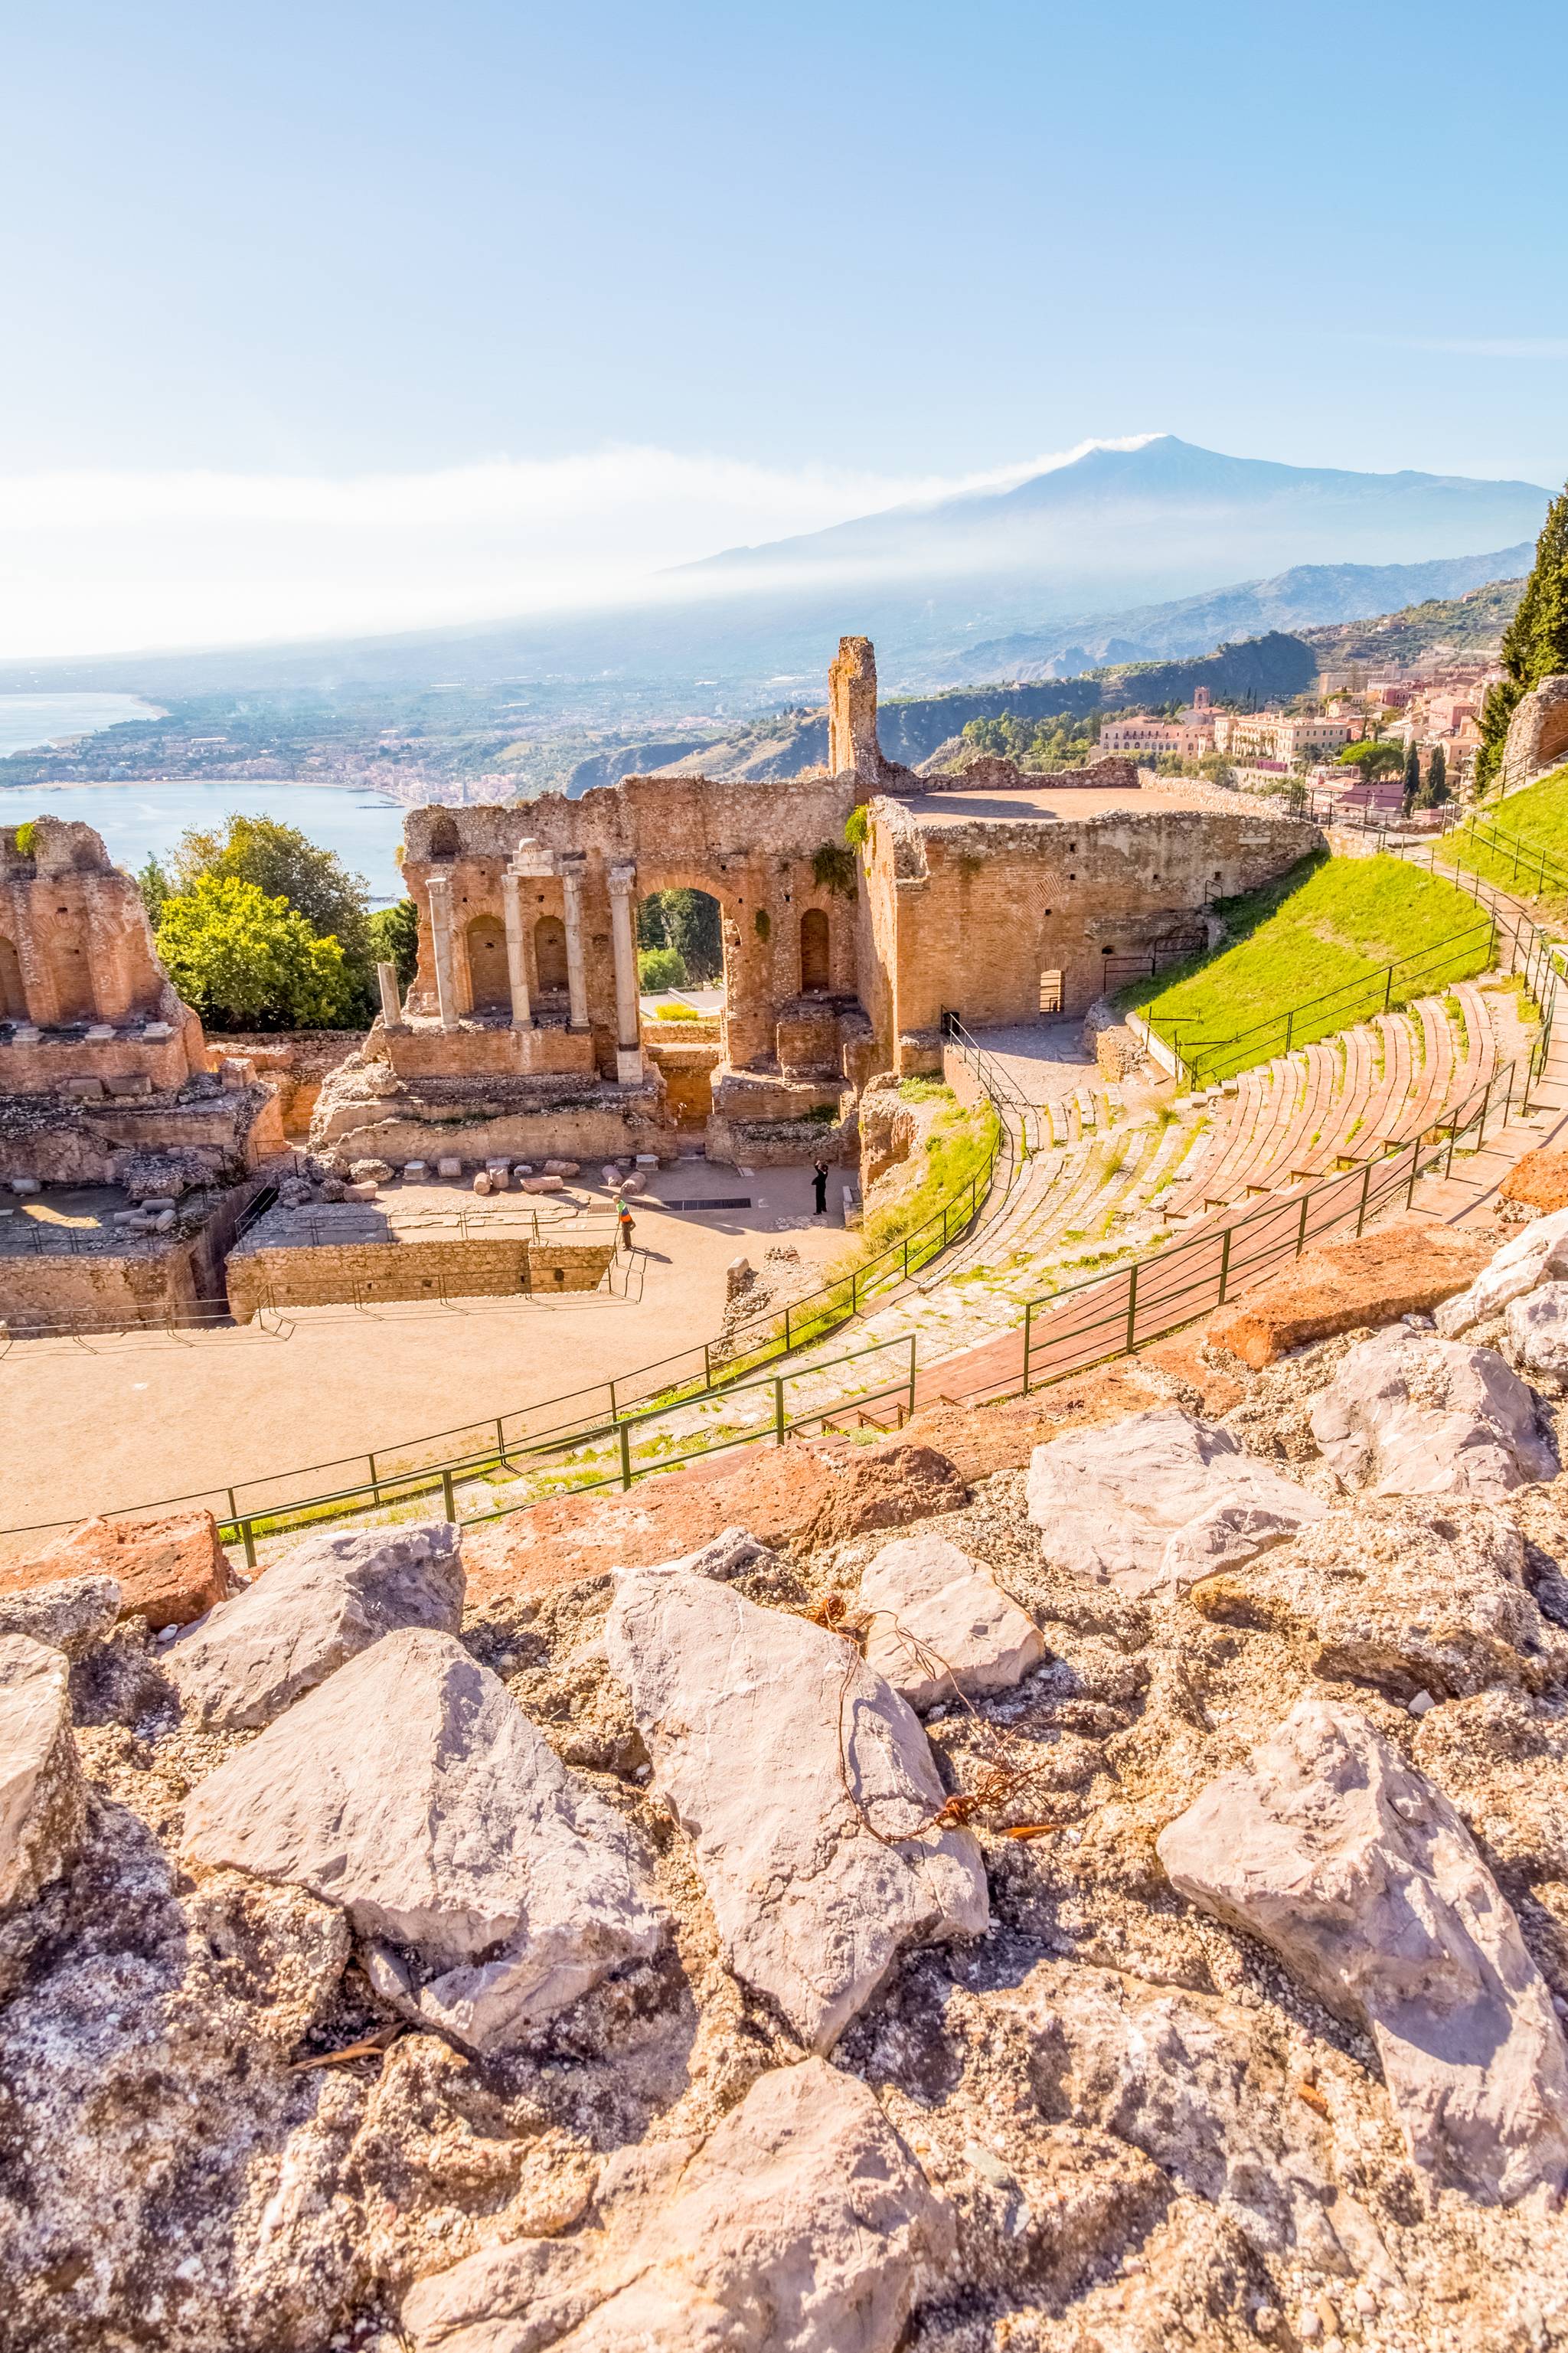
[1412,775]
[1534,644]
[1436,788]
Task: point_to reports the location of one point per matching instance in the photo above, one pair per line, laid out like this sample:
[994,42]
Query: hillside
[1316,947]
[1309,596]
[912,727]
[1467,627]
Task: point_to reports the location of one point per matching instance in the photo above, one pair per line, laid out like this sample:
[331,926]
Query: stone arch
[815,954]
[550,955]
[13,996]
[444,840]
[489,981]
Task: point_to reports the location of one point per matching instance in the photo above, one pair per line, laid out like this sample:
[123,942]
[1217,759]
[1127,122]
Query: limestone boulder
[72,1614]
[1200,2086]
[492,1887]
[42,1800]
[807,1788]
[1409,1414]
[1411,1594]
[1537,1344]
[1158,1500]
[1538,1254]
[310,1612]
[170,1569]
[941,1624]
[1362,1877]
[802,2225]
[884,1487]
[733,1552]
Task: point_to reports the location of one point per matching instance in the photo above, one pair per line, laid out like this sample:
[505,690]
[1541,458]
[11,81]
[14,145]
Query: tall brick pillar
[852,711]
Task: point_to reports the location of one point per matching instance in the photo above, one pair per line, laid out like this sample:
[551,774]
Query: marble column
[571,865]
[623,940]
[391,997]
[439,887]
[516,949]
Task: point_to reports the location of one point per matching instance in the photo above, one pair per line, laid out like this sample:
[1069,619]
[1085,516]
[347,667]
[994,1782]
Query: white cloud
[98,562]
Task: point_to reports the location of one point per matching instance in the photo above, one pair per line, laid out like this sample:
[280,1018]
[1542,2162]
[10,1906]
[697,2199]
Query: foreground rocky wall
[1090,1874]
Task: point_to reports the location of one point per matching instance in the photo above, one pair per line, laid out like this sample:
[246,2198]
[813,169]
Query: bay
[28,721]
[139,821]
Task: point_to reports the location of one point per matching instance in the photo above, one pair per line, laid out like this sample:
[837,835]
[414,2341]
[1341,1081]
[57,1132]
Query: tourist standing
[819,1178]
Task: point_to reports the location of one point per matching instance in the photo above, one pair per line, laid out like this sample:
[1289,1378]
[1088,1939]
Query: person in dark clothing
[819,1178]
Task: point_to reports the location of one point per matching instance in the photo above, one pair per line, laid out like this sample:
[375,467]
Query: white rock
[310,1612]
[561,1168]
[543,1184]
[414,1172]
[42,1802]
[942,1624]
[733,1552]
[1364,1880]
[1160,1499]
[448,1166]
[633,1185]
[361,1191]
[481,1181]
[1538,1336]
[1403,1592]
[412,1791]
[1196,2084]
[1410,1414]
[69,1613]
[1541,1251]
[760,1726]
[802,2225]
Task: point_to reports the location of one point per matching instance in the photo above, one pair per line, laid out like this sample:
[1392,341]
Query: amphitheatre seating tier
[1343,1099]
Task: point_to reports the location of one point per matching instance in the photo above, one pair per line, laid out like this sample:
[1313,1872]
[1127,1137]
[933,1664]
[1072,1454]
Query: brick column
[628,1013]
[576,980]
[516,949]
[440,890]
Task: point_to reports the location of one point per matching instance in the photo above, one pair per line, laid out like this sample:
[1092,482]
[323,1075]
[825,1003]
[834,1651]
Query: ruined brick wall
[75,948]
[333,1273]
[970,915]
[750,846]
[147,1285]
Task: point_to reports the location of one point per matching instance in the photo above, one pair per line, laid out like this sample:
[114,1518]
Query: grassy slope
[1539,816]
[1330,927]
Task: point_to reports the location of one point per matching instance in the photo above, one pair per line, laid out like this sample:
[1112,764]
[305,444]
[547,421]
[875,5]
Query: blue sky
[818,254]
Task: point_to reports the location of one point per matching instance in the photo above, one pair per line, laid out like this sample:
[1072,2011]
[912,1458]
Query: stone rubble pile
[1091,1875]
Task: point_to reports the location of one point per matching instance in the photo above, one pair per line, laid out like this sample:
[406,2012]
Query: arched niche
[815,954]
[13,996]
[550,955]
[489,983]
[443,842]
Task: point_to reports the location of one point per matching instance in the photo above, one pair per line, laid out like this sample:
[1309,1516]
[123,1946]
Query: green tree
[284,863]
[394,938]
[690,922]
[1412,775]
[1373,759]
[1434,791]
[154,886]
[1535,642]
[660,968]
[247,962]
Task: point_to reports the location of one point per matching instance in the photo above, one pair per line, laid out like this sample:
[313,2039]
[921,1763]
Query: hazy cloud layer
[105,562]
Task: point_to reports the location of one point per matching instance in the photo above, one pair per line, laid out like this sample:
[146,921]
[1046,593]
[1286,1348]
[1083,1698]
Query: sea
[140,820]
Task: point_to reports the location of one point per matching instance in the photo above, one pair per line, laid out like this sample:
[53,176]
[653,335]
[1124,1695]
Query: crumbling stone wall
[145,1284]
[969,916]
[77,957]
[306,1274]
